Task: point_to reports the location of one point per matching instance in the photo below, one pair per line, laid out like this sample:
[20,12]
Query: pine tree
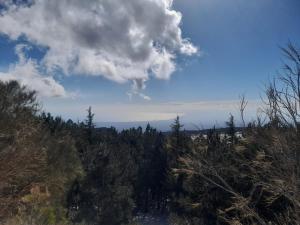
[89,123]
[231,129]
[178,146]
[179,142]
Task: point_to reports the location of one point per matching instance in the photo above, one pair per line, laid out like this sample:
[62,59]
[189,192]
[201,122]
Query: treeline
[56,172]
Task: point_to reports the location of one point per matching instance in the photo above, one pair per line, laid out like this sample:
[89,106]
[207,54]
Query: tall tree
[178,146]
[89,122]
[231,129]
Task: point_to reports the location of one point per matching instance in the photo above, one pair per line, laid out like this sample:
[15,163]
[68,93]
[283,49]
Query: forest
[60,172]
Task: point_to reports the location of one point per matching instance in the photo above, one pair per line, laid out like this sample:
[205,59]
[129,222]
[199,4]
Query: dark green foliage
[125,171]
[151,182]
[178,145]
[103,196]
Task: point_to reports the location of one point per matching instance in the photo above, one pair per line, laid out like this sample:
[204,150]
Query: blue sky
[238,51]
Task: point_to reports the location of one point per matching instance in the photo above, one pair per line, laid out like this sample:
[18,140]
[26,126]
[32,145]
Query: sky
[149,60]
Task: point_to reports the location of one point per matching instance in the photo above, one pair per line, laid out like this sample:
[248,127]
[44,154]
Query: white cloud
[137,86]
[27,73]
[144,96]
[120,40]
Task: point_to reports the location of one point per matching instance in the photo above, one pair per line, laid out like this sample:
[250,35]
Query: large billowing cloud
[121,40]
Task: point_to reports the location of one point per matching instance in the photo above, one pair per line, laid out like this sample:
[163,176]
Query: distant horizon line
[162,125]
